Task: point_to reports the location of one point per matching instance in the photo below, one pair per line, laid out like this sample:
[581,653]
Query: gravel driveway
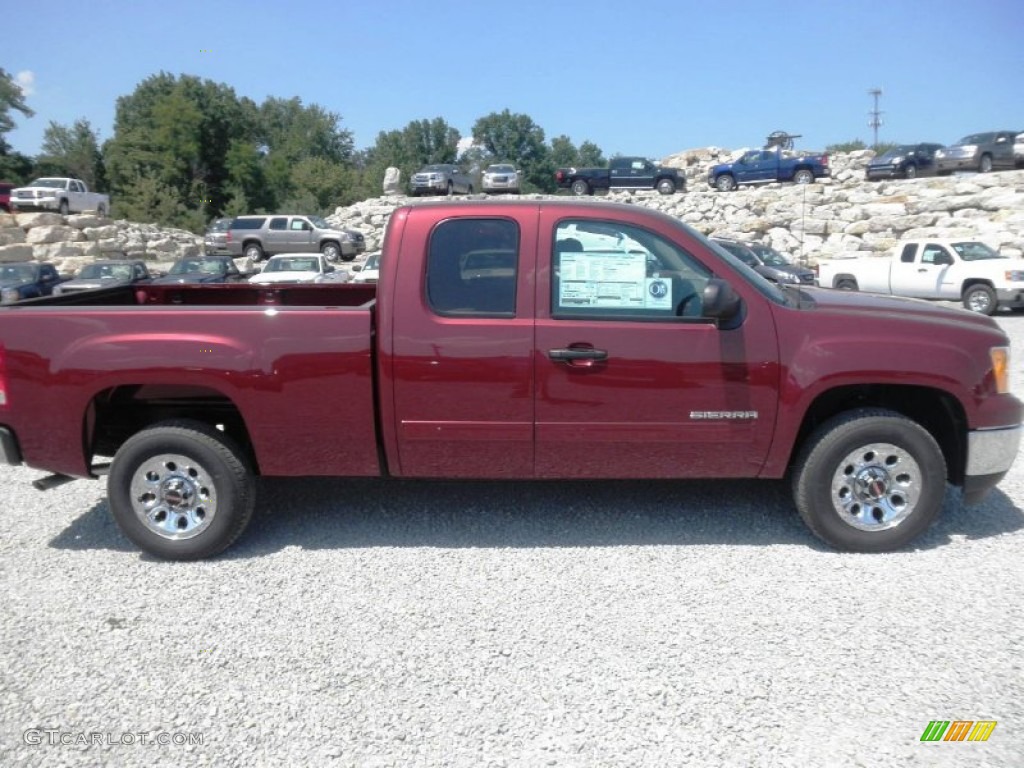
[442,624]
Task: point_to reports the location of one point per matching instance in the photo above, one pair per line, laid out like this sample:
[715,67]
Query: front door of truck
[925,276]
[631,381]
[462,370]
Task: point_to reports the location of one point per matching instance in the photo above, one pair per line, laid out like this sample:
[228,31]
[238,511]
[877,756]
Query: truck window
[611,271]
[935,254]
[472,266]
[279,223]
[909,251]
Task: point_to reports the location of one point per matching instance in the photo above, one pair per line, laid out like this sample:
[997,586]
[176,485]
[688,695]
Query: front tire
[331,252]
[985,164]
[869,480]
[725,183]
[181,490]
[63,208]
[980,298]
[910,172]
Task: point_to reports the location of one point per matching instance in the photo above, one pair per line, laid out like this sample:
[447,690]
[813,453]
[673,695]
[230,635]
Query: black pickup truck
[621,173]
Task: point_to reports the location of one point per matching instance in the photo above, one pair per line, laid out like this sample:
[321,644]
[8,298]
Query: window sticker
[611,280]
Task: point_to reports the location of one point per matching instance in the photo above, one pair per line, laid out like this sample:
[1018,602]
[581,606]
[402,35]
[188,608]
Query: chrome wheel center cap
[176,492]
[872,483]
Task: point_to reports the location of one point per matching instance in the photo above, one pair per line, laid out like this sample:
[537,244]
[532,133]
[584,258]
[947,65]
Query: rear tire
[666,186]
[803,176]
[253,252]
[181,490]
[869,480]
[580,188]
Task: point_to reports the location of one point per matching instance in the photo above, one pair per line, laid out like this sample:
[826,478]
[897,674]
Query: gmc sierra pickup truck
[510,340]
[950,270]
[621,173]
[59,194]
[763,166]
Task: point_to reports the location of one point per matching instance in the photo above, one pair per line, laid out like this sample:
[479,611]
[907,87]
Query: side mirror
[720,300]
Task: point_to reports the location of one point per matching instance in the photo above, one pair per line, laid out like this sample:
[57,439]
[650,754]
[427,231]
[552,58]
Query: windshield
[106,272]
[53,183]
[372,262]
[500,169]
[17,272]
[973,251]
[770,256]
[905,149]
[206,266]
[978,138]
[741,252]
[436,168]
[293,264]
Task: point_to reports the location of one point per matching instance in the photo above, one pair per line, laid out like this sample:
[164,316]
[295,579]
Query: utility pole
[876,116]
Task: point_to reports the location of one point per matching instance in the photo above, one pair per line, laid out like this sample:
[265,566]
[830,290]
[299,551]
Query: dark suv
[5,196]
[906,161]
[767,262]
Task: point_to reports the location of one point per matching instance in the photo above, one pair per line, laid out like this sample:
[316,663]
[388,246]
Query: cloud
[465,144]
[26,80]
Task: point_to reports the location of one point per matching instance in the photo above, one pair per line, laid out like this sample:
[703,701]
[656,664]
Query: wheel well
[836,279]
[975,281]
[938,412]
[117,413]
[329,241]
[251,241]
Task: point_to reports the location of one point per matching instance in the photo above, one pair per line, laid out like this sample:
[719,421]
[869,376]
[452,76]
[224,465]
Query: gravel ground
[490,624]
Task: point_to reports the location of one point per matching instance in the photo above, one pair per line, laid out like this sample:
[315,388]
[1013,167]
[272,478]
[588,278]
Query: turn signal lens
[1001,368]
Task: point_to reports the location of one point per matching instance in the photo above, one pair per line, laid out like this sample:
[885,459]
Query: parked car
[258,237]
[982,152]
[61,194]
[27,280]
[368,271]
[764,166]
[906,161]
[767,262]
[622,173]
[471,360]
[5,196]
[298,268]
[202,269]
[440,179]
[216,239]
[106,274]
[500,177]
[933,268]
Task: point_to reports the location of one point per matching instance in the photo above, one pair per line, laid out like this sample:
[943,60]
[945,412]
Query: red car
[5,196]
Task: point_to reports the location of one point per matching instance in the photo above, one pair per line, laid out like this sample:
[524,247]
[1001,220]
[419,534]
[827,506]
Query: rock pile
[70,242]
[837,217]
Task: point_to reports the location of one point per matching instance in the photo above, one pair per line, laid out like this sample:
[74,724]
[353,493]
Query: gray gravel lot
[404,624]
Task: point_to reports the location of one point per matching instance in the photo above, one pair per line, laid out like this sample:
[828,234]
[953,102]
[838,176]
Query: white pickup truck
[950,270]
[59,194]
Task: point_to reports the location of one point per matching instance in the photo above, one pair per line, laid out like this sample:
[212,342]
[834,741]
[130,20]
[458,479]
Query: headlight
[1015,275]
[785,277]
[1001,368]
[346,237]
[939,153]
[898,159]
[9,295]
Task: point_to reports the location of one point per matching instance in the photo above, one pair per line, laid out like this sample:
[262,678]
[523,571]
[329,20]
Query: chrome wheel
[173,496]
[876,487]
[803,177]
[331,252]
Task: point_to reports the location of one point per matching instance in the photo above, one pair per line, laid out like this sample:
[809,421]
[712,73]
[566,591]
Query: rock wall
[70,242]
[836,217]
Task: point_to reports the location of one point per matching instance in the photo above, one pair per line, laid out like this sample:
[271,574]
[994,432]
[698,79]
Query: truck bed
[286,369]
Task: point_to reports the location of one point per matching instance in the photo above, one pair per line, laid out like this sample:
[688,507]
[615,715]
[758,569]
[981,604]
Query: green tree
[516,138]
[419,143]
[72,151]
[14,166]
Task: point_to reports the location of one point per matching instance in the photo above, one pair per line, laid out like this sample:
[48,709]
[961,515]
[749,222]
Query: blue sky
[644,77]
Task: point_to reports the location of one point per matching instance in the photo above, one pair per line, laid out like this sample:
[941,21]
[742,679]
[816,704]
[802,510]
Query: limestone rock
[19,252]
[392,181]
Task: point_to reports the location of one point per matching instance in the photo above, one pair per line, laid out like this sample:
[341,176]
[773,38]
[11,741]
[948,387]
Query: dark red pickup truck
[530,340]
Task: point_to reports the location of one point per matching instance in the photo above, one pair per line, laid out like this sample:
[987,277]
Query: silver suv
[440,179]
[259,237]
[981,152]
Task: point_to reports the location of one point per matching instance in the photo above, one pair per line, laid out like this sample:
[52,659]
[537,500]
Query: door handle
[577,353]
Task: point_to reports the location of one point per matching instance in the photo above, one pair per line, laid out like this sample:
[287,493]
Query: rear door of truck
[456,342]
[630,381]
